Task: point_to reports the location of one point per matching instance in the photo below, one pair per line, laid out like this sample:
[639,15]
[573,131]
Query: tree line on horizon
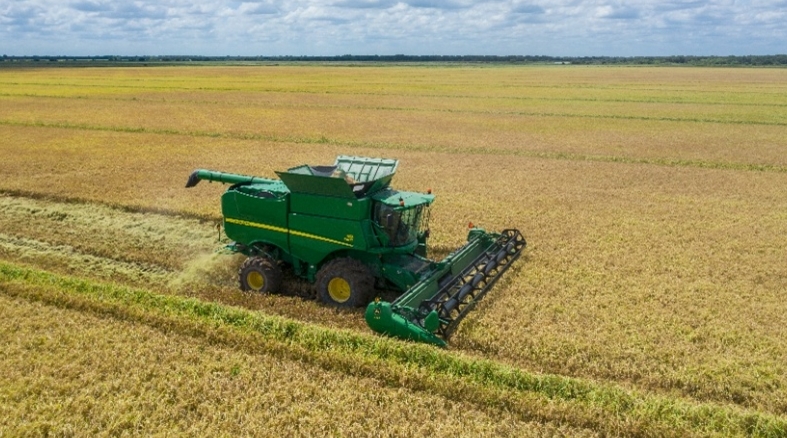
[732,60]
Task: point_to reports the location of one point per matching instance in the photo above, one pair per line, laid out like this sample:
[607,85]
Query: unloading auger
[344,229]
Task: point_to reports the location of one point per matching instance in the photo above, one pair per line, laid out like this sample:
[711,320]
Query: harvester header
[347,231]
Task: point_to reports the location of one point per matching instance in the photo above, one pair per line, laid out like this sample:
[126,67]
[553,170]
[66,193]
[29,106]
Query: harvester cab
[347,231]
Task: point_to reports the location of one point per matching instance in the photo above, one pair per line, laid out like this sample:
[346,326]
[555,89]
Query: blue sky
[387,27]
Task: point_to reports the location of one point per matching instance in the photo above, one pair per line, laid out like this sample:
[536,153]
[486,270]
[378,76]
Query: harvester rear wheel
[344,282]
[259,274]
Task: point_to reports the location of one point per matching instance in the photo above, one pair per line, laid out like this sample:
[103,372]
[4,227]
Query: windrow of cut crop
[548,398]
[162,251]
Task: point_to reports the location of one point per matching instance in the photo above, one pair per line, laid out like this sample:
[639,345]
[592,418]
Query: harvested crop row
[167,252]
[160,242]
[66,258]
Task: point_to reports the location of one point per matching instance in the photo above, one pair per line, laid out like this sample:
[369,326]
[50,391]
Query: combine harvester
[344,229]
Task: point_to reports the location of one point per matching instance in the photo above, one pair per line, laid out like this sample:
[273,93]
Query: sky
[389,27]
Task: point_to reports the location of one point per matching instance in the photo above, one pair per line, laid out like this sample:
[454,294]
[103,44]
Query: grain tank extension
[347,231]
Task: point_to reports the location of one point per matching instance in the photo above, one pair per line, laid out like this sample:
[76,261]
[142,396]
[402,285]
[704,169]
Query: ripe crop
[654,201]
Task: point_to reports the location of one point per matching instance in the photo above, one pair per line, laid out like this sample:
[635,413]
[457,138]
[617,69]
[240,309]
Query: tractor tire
[344,282]
[259,274]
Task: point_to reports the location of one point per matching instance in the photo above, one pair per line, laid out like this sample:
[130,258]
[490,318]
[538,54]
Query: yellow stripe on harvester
[255,225]
[285,230]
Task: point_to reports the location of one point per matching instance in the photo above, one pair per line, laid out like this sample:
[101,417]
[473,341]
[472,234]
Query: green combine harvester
[344,229]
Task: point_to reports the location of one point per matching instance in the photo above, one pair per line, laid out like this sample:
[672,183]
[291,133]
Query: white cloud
[310,27]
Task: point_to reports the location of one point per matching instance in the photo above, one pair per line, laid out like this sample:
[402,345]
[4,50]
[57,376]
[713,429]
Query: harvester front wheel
[344,282]
[259,274]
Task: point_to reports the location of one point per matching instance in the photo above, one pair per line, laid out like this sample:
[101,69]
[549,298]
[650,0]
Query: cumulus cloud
[311,27]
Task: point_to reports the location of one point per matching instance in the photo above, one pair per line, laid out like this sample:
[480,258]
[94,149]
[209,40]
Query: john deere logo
[377,313]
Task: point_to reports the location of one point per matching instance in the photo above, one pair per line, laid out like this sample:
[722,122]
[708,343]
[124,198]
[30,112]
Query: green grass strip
[670,162]
[549,398]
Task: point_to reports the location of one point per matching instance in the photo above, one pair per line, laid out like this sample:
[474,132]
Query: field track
[650,300]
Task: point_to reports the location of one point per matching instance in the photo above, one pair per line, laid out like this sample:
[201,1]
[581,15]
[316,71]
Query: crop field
[650,300]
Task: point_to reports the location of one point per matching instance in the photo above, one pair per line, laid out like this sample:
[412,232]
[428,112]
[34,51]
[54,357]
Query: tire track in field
[669,162]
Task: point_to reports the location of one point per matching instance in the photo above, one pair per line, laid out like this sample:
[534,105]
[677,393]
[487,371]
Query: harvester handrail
[366,169]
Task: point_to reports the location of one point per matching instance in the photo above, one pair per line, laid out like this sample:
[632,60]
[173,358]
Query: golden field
[67,373]
[654,201]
